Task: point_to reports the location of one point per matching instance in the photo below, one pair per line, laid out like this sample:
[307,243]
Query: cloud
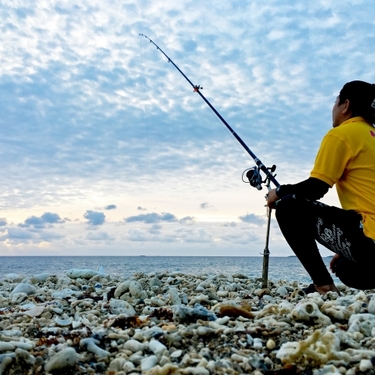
[25,235]
[42,221]
[98,236]
[155,229]
[51,218]
[50,236]
[19,234]
[205,205]
[197,235]
[138,235]
[177,235]
[187,220]
[151,218]
[231,224]
[253,219]
[91,112]
[94,217]
[110,207]
[241,239]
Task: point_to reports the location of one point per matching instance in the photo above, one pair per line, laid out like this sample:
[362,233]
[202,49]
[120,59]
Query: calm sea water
[280,268]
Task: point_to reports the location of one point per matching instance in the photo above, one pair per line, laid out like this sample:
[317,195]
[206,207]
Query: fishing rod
[252,174]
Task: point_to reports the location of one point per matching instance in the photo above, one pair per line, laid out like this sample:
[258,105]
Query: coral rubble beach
[87,322]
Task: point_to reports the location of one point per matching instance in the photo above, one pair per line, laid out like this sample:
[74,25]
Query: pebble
[365,365]
[92,346]
[134,346]
[156,347]
[271,344]
[24,288]
[149,362]
[171,323]
[174,297]
[64,359]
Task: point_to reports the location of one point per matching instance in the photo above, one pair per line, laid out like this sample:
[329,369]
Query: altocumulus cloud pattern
[97,127]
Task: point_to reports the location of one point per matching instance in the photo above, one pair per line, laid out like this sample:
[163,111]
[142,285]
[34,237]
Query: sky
[106,150]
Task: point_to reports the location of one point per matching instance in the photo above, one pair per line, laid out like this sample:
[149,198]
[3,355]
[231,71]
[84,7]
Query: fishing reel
[254,176]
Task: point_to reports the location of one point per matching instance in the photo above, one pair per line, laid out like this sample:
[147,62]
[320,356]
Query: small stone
[24,357]
[174,298]
[282,291]
[134,346]
[176,354]
[195,371]
[24,288]
[271,344]
[92,346]
[35,311]
[365,365]
[135,289]
[62,360]
[156,347]
[149,362]
[257,344]
[5,347]
[118,307]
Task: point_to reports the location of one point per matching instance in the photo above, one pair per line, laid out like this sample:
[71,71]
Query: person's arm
[312,188]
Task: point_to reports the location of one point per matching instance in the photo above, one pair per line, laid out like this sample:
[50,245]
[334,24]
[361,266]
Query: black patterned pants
[303,222]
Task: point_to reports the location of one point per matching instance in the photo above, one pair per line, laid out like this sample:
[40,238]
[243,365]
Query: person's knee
[355,275]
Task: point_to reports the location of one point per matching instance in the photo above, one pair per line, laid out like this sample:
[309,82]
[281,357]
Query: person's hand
[332,263]
[272,198]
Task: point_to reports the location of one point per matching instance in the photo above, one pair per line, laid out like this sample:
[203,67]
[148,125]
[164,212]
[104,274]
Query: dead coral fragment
[235,312]
[167,369]
[309,312]
[319,348]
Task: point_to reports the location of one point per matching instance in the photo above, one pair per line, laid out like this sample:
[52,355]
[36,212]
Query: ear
[346,107]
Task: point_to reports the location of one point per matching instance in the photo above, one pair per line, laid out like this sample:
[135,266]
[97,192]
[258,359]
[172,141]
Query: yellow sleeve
[331,160]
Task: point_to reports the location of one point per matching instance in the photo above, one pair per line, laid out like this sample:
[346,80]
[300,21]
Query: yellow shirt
[347,158]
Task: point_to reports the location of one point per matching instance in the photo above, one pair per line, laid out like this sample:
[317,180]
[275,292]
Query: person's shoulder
[349,127]
[354,134]
[336,132]
[344,134]
[353,123]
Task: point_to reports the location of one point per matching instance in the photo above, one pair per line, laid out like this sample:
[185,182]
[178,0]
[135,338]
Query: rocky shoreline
[87,322]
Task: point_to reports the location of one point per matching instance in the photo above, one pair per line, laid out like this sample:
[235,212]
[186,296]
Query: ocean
[280,268]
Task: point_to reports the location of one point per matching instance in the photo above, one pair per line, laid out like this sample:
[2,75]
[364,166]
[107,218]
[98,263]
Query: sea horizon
[279,267]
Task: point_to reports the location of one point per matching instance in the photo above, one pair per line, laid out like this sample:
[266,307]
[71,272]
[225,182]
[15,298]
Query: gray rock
[188,314]
[122,288]
[5,361]
[24,288]
[135,289]
[62,360]
[282,291]
[118,307]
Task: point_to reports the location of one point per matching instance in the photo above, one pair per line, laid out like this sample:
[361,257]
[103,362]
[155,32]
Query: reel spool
[255,178]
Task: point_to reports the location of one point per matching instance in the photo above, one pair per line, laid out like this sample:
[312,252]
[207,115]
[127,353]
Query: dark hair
[361,96]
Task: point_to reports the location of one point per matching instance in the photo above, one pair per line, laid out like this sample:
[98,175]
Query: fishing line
[253,174]
[146,121]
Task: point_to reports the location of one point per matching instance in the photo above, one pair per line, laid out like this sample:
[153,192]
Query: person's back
[346,159]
